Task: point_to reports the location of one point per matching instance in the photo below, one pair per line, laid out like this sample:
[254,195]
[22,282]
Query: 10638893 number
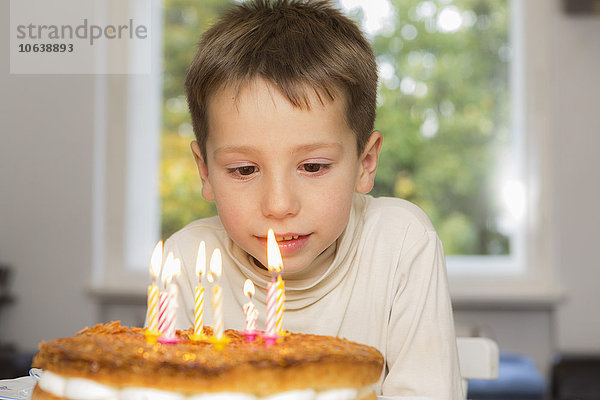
[45,48]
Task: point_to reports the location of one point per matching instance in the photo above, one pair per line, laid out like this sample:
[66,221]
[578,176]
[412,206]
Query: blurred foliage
[180,190]
[180,185]
[444,112]
[443,109]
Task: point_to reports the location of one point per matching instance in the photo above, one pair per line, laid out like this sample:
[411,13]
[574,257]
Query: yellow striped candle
[198,310]
[199,291]
[274,264]
[152,318]
[152,311]
[280,304]
[217,293]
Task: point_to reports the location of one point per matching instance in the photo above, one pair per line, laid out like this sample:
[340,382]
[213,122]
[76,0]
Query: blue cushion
[518,378]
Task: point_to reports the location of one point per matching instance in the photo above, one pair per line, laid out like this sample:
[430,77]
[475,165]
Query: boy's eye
[312,167]
[315,168]
[246,170]
[243,171]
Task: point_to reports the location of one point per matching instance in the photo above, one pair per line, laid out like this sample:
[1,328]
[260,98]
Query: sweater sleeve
[421,345]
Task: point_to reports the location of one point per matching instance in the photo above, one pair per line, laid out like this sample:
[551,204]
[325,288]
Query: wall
[45,201]
[46,172]
[576,134]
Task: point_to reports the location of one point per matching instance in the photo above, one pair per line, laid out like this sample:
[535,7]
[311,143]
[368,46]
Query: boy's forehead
[300,95]
[237,114]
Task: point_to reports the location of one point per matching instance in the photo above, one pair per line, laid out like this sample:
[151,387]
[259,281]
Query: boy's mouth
[287,238]
[289,242]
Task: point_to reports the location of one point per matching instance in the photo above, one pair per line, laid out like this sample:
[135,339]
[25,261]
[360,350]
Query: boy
[282,96]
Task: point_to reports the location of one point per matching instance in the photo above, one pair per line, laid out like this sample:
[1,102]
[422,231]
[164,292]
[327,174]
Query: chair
[478,358]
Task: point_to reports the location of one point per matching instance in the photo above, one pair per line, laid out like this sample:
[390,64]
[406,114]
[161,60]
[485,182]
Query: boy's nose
[280,199]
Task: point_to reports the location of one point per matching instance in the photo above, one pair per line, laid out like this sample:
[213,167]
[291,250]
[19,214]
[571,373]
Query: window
[444,109]
[126,157]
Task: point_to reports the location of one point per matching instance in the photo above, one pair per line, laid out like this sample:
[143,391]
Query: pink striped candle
[249,308]
[162,312]
[274,263]
[251,314]
[171,312]
[167,312]
[271,308]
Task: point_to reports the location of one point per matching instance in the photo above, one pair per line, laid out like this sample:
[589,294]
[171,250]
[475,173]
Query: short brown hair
[299,46]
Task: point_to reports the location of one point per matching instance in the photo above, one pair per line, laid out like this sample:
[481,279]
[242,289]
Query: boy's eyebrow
[300,149]
[316,146]
[235,149]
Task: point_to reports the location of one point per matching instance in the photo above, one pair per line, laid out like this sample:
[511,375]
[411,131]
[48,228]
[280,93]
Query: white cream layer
[86,389]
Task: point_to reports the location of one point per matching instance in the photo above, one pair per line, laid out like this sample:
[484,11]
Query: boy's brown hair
[299,46]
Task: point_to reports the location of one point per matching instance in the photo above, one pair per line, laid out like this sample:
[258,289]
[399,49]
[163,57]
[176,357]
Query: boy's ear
[368,163]
[207,191]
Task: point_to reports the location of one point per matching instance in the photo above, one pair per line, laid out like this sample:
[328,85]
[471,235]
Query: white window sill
[465,297]
[121,294]
[514,300]
[505,293]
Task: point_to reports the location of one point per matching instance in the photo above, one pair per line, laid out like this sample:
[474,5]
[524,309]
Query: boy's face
[271,165]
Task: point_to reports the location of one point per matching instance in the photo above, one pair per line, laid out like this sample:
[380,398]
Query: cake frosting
[115,362]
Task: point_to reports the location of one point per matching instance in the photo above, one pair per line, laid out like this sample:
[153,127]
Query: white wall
[576,169]
[572,135]
[46,123]
[45,200]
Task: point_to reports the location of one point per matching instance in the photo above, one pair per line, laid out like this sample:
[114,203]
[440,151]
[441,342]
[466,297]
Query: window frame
[126,157]
[536,283]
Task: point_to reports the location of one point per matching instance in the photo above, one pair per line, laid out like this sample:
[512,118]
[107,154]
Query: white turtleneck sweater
[382,283]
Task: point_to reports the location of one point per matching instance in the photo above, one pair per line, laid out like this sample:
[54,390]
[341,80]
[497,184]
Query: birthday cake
[112,361]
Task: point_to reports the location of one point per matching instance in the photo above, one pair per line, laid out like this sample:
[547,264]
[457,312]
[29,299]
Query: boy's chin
[288,269]
[258,263]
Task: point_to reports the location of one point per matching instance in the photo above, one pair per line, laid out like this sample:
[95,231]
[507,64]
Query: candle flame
[168,270]
[215,266]
[249,288]
[156,259]
[201,259]
[274,261]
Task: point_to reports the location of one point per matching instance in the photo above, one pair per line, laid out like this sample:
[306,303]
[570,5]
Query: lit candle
[163,302]
[173,295]
[280,303]
[274,263]
[250,311]
[199,291]
[155,262]
[171,270]
[217,294]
